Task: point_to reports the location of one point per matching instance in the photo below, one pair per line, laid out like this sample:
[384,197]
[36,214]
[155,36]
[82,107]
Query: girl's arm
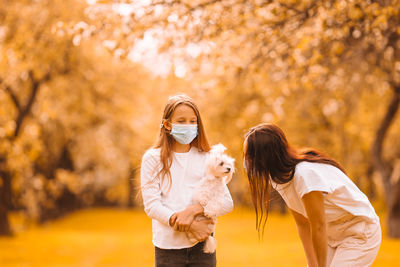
[151,192]
[303,228]
[183,219]
[201,229]
[314,206]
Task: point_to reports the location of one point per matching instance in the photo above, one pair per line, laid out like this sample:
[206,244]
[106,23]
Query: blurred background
[82,90]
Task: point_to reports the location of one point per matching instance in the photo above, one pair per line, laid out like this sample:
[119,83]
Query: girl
[169,173]
[335,221]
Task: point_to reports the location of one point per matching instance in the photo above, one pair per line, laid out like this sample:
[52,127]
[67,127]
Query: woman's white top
[341,195]
[187,169]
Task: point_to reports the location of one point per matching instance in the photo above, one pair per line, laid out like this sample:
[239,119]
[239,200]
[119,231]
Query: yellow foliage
[294,63]
[303,44]
[337,48]
[355,13]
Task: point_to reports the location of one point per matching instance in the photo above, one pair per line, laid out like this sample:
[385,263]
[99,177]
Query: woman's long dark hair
[268,155]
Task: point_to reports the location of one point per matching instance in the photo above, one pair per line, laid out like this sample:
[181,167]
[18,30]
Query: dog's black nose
[229,169]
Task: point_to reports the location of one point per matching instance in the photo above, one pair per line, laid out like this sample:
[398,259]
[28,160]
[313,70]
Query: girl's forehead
[183,111]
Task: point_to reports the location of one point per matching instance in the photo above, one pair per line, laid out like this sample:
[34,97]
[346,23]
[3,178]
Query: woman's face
[245,145]
[183,114]
[244,153]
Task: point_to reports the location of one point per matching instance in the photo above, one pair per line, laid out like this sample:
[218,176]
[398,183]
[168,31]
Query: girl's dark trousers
[186,257]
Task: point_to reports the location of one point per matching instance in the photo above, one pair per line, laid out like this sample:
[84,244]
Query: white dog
[211,189]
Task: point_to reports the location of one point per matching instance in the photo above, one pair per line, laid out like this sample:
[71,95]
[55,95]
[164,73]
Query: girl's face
[183,114]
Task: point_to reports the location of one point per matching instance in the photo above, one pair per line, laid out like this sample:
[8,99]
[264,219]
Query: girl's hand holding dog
[182,220]
[201,230]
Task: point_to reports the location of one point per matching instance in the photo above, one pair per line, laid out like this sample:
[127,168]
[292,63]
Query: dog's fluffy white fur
[210,192]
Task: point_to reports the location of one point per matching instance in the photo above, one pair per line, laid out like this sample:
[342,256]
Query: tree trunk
[5,175]
[5,201]
[132,187]
[371,188]
[392,190]
[394,212]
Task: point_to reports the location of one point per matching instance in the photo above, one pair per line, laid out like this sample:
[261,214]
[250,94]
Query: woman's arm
[151,192]
[314,206]
[303,228]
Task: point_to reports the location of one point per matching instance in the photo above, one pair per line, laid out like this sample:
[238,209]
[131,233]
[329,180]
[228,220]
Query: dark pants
[186,257]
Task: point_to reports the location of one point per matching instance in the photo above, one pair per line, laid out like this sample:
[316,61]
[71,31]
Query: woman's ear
[167,125]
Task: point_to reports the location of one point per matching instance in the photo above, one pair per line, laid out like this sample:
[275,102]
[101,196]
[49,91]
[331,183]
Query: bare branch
[203,5]
[13,96]
[23,113]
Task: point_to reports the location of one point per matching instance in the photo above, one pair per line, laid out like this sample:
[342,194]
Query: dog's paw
[210,214]
[211,210]
[203,203]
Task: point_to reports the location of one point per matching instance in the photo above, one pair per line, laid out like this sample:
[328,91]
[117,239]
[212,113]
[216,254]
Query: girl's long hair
[165,139]
[268,156]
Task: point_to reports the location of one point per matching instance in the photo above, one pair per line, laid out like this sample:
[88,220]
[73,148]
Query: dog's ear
[218,148]
[228,178]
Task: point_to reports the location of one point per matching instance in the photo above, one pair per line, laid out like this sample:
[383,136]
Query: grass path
[109,237]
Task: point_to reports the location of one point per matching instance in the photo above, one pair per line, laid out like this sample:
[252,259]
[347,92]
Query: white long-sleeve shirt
[161,199]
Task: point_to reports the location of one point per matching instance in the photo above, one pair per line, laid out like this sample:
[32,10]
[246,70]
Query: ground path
[112,237]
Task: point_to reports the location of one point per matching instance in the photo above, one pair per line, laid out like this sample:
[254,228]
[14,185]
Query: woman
[335,220]
[169,173]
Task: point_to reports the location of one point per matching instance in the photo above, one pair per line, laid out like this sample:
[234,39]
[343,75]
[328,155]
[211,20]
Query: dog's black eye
[222,163]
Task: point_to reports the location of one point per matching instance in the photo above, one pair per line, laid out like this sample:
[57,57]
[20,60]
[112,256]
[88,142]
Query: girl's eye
[222,163]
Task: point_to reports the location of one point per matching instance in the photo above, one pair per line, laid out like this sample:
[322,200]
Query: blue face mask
[184,133]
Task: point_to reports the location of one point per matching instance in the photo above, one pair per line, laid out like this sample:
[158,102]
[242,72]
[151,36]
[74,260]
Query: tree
[302,45]
[25,70]
[67,109]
